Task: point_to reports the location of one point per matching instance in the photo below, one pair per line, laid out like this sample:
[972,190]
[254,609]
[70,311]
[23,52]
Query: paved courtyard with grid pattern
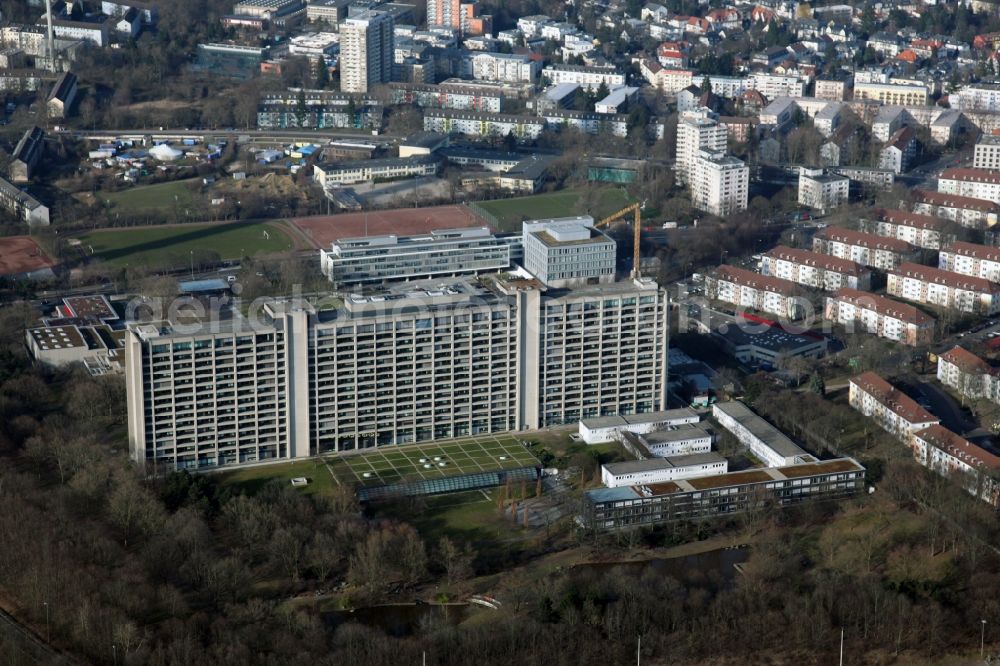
[417,462]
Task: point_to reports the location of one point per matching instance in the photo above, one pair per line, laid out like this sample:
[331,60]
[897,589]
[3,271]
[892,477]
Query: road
[241,136]
[943,406]
[27,643]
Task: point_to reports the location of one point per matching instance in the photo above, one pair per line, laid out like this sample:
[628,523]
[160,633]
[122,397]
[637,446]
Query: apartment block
[441,96]
[951,455]
[720,183]
[697,130]
[866,249]
[899,151]
[374,259]
[474,123]
[880,316]
[318,109]
[923,231]
[966,211]
[968,374]
[977,97]
[822,191]
[583,75]
[747,289]
[24,206]
[812,269]
[894,411]
[568,251]
[506,67]
[974,183]
[987,152]
[366,51]
[416,363]
[970,259]
[892,93]
[944,289]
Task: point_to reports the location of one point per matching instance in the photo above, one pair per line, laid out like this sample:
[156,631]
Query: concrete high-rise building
[420,362]
[697,130]
[366,51]
[719,183]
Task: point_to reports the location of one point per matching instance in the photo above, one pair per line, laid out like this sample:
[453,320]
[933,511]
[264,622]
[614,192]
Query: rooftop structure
[568,251]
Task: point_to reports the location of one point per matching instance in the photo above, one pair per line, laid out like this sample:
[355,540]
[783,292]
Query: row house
[933,286]
[747,289]
[968,374]
[812,269]
[966,211]
[975,183]
[863,248]
[951,455]
[894,411]
[980,261]
[880,316]
[923,231]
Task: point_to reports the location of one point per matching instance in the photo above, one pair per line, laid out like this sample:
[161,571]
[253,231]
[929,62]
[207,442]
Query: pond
[714,564]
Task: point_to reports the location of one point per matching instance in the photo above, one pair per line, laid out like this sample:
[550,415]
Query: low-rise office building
[661,470]
[880,316]
[951,455]
[968,374]
[747,289]
[974,183]
[603,429]
[680,440]
[813,269]
[966,211]
[982,261]
[934,286]
[724,495]
[862,248]
[568,251]
[374,259]
[923,231]
[766,442]
[366,171]
[894,411]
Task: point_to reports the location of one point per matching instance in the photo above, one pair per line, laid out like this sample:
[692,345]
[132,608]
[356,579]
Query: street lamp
[982,638]
[48,634]
[114,652]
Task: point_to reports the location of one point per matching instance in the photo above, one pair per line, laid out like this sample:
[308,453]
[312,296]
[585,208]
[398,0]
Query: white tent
[165,153]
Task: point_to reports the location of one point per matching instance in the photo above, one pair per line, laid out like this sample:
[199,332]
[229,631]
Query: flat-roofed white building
[568,251]
[766,442]
[894,411]
[892,93]
[697,130]
[934,286]
[720,183]
[506,67]
[586,76]
[680,440]
[881,316]
[610,428]
[987,152]
[661,470]
[971,259]
[822,191]
[812,269]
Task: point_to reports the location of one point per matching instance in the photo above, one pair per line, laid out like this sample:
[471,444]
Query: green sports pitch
[418,462]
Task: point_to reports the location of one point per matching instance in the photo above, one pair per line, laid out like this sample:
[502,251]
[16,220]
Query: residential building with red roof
[922,231]
[863,248]
[945,289]
[982,261]
[747,289]
[968,374]
[953,456]
[968,182]
[812,269]
[966,211]
[894,411]
[881,316]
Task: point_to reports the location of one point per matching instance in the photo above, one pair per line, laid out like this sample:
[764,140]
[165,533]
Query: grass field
[150,199]
[171,246]
[510,212]
[252,479]
[386,465]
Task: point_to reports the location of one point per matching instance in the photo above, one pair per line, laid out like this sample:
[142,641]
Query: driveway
[942,405]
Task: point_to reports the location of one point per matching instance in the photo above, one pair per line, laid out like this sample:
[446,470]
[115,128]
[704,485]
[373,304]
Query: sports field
[150,199]
[324,229]
[21,254]
[509,213]
[165,246]
[391,464]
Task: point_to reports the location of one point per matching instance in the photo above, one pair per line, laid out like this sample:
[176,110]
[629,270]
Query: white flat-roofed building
[506,67]
[934,286]
[812,269]
[610,428]
[975,183]
[970,259]
[892,93]
[97,31]
[987,152]
[966,211]
[968,374]
[894,411]
[445,252]
[951,455]
[866,249]
[267,9]
[720,183]
[747,289]
[977,97]
[776,85]
[697,130]
[765,441]
[881,316]
[365,171]
[660,470]
[587,77]
[315,45]
[568,251]
[822,191]
[919,230]
[681,440]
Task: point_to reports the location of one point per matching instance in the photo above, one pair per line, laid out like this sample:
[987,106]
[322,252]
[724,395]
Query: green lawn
[171,246]
[394,464]
[252,479]
[510,212]
[150,199]
[466,517]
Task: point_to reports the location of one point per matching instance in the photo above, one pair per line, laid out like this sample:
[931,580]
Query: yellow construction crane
[637,224]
